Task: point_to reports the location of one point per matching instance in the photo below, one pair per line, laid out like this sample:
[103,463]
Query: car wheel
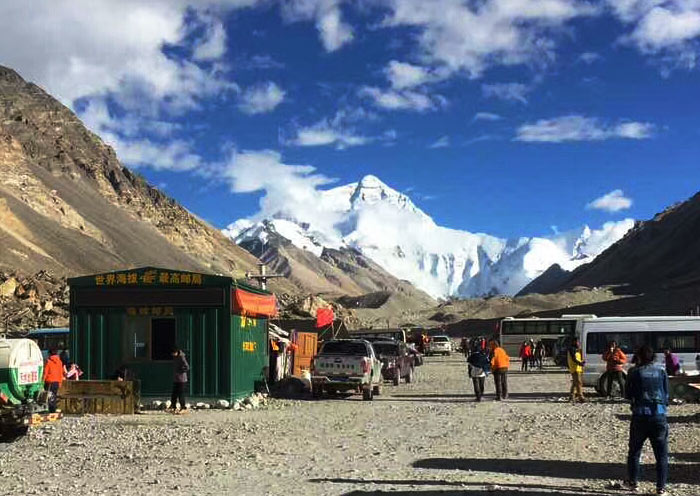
[397,377]
[377,390]
[367,394]
[409,377]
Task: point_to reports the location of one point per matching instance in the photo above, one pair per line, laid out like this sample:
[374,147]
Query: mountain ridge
[387,227]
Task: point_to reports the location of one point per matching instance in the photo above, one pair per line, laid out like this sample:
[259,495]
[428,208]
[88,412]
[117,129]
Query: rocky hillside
[68,205]
[660,254]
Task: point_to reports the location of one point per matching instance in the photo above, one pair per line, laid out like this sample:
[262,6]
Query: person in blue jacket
[479,366]
[647,390]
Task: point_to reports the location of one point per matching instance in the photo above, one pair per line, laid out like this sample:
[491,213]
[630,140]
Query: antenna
[263,276]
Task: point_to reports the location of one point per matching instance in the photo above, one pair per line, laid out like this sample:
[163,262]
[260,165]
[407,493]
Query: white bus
[681,334]
[556,333]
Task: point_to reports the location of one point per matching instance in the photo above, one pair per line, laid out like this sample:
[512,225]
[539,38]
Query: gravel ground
[425,438]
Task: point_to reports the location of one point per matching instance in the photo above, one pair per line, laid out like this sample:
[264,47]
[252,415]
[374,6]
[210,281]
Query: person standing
[53,377]
[614,358]
[479,366]
[500,361]
[673,364]
[647,390]
[524,355]
[180,369]
[539,354]
[575,362]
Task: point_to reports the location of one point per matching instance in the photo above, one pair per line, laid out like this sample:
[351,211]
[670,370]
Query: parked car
[397,362]
[441,345]
[345,365]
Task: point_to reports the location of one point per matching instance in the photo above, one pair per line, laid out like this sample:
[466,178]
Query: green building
[134,318]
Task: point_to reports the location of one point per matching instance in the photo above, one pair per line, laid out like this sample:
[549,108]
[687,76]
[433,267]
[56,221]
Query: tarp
[324,317]
[260,305]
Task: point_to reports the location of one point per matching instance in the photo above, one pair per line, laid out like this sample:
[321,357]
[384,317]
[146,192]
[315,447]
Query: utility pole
[263,276]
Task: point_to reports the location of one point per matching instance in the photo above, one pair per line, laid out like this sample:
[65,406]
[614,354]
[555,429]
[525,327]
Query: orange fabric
[53,370]
[615,360]
[500,359]
[254,304]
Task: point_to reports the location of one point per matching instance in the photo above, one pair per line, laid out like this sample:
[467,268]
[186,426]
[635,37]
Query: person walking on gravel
[524,355]
[615,358]
[53,377]
[647,390]
[575,362]
[479,366]
[500,361]
[180,369]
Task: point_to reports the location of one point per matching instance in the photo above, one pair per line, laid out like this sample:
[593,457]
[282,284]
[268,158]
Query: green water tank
[21,371]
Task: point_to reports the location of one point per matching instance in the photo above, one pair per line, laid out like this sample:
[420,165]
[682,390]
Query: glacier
[387,227]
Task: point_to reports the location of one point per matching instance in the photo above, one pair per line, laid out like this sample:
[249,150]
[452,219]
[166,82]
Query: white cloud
[486,116]
[403,100]
[472,36]
[261,98]
[333,30]
[339,131]
[611,202]
[442,142]
[506,91]
[580,128]
[290,190]
[213,45]
[668,28]
[589,57]
[403,75]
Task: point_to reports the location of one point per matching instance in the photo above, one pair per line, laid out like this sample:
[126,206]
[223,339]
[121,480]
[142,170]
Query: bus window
[629,342]
[678,342]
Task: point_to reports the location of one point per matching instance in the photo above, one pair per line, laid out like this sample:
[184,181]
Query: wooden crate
[110,397]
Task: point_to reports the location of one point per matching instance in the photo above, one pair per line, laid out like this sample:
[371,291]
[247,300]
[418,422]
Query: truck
[346,365]
[23,401]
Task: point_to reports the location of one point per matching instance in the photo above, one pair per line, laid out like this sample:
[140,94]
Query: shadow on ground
[672,419]
[687,457]
[565,469]
[463,487]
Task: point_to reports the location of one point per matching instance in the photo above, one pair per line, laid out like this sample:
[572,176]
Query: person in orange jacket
[615,358]
[500,362]
[53,377]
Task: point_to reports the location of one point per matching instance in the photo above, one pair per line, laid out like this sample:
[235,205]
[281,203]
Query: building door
[306,350]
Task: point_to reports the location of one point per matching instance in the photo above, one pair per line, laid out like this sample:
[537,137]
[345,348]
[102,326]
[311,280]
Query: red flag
[324,317]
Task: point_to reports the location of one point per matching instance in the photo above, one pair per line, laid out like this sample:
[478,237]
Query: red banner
[324,317]
[246,303]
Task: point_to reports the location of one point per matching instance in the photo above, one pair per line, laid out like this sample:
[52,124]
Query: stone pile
[252,402]
[28,302]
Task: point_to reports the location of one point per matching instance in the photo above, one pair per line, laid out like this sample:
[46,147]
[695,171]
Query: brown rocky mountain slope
[659,254]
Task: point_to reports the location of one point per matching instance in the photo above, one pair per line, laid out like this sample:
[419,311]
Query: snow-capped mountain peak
[387,227]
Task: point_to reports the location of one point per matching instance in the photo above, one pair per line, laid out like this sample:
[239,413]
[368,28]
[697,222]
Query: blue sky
[504,116]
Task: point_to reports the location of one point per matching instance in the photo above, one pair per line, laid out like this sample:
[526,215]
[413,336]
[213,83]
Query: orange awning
[246,303]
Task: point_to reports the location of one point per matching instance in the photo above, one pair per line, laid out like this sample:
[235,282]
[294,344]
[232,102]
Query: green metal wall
[248,363]
[217,345]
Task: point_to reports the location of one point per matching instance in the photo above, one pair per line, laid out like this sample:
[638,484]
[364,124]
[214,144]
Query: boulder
[8,287]
[222,404]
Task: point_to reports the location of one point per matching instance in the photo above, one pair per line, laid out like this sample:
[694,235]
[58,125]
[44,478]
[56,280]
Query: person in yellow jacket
[576,362]
[500,361]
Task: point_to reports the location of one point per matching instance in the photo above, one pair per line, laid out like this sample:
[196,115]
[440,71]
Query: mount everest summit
[389,229]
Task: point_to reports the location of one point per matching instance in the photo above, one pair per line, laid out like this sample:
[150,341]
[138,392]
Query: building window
[162,338]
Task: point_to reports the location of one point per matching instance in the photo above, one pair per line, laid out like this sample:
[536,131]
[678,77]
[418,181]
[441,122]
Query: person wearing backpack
[479,365]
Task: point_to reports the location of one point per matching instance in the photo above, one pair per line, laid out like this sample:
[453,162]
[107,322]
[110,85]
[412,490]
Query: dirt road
[425,438]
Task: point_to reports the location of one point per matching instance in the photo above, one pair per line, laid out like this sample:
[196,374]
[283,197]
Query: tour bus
[681,334]
[47,339]
[555,333]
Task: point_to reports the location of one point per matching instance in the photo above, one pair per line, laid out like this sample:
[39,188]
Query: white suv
[439,345]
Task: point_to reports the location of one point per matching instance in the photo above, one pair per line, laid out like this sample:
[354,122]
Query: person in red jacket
[53,377]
